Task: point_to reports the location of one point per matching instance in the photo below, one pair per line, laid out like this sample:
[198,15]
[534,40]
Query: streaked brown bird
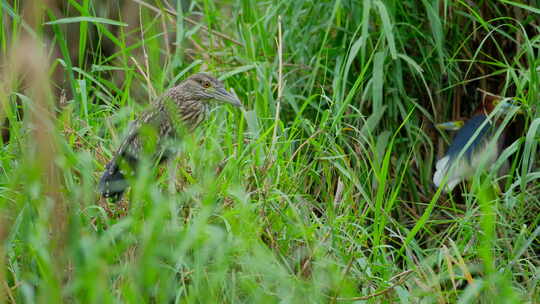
[182,107]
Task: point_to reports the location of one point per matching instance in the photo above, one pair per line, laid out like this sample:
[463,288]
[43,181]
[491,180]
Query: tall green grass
[319,190]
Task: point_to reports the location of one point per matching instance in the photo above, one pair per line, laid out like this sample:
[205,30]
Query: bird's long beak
[451,125]
[228,97]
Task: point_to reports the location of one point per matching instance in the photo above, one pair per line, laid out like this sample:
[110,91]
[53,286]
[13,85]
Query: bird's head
[205,87]
[489,103]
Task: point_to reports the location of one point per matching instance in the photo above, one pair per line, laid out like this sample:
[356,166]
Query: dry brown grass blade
[28,60]
[279,42]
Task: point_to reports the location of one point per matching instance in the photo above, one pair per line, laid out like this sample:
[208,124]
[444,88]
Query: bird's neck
[193,112]
[186,108]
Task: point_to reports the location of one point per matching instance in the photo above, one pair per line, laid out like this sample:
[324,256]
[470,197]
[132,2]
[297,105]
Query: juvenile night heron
[186,105]
[473,145]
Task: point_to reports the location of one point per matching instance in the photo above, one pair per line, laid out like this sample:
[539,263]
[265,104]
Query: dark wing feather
[113,182]
[465,134]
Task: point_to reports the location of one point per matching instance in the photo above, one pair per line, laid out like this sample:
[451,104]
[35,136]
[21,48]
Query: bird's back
[458,163]
[466,133]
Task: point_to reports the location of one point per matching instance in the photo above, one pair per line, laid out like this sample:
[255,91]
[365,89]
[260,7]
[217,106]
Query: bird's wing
[166,117]
[131,145]
[458,168]
[465,135]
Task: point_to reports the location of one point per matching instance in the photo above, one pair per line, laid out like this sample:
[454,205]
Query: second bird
[182,107]
[471,146]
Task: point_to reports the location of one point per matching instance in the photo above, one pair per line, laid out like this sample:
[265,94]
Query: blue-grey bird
[463,158]
[182,107]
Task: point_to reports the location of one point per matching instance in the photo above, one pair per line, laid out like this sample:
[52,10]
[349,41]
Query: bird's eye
[206,84]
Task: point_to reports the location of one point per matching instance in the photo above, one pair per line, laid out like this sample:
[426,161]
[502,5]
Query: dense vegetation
[319,190]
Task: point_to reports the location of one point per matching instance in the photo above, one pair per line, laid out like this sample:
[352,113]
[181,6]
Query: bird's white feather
[441,169]
[459,169]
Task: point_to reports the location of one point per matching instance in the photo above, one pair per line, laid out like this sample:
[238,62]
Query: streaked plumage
[183,107]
